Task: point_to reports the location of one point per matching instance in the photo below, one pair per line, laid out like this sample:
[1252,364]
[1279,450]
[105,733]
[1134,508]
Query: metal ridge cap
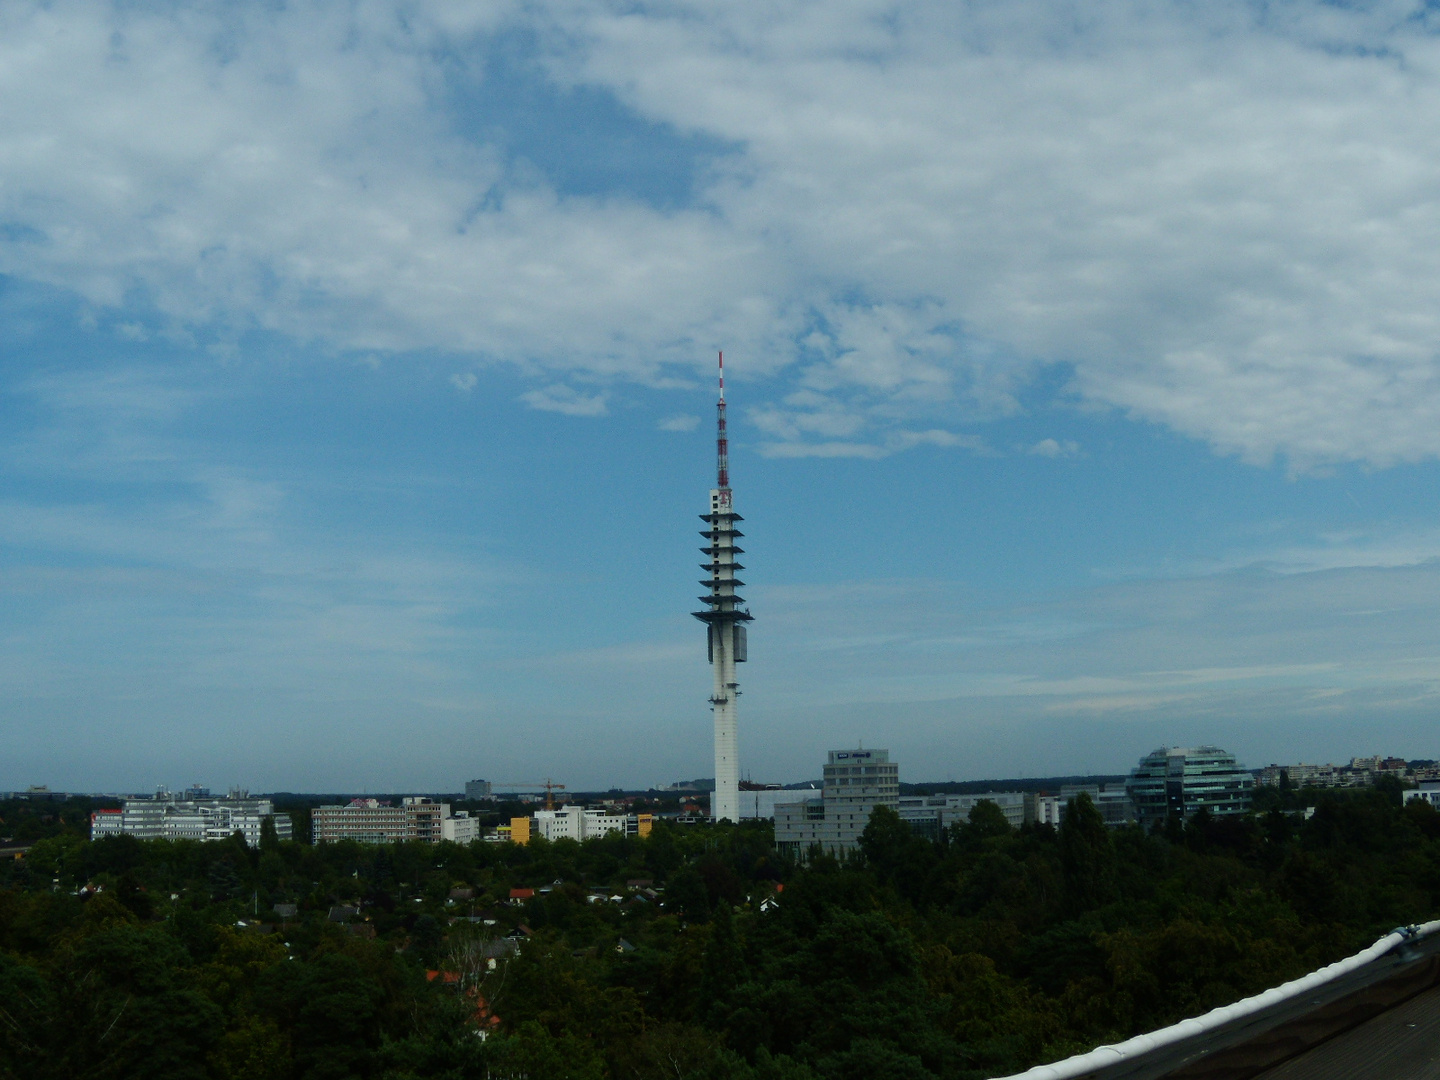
[1103,1056]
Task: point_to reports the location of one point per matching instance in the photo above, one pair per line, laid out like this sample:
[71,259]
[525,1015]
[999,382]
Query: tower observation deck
[725,618]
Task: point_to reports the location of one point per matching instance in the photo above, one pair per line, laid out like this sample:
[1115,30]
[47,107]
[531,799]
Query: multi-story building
[1361,772]
[460,827]
[576,823]
[1044,809]
[1301,775]
[1179,782]
[371,821]
[931,815]
[1379,764]
[1429,793]
[759,803]
[1112,800]
[855,782]
[1010,803]
[927,814]
[476,790]
[168,818]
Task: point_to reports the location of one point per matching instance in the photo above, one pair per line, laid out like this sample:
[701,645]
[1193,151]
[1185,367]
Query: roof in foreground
[1402,1043]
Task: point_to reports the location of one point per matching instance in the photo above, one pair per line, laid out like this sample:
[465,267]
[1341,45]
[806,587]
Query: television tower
[725,622]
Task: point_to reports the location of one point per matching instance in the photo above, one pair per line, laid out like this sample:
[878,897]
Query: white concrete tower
[725,622]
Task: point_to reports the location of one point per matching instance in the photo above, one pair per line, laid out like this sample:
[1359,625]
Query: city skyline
[355,373]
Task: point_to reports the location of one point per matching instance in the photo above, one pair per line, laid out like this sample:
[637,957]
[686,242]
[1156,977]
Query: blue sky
[356,386]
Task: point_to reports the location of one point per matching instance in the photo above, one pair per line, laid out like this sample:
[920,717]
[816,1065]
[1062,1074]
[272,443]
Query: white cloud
[823,450]
[892,442]
[565,399]
[682,422]
[1055,448]
[466,382]
[1220,217]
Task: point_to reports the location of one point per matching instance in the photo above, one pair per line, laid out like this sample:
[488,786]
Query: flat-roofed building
[855,782]
[926,814]
[1009,803]
[931,815]
[758,804]
[372,821]
[1043,809]
[476,790]
[205,820]
[460,827]
[576,823]
[1429,793]
[1112,800]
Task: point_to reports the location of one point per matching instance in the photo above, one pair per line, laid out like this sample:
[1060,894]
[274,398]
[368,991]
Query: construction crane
[549,785]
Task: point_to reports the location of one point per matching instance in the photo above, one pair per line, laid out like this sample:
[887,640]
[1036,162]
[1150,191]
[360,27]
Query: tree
[986,821]
[1087,856]
[898,855]
[722,968]
[329,1010]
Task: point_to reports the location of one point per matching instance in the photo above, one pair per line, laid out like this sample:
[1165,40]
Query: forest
[696,952]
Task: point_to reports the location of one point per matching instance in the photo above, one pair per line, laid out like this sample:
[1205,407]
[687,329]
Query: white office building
[460,827]
[166,818]
[855,782]
[1429,793]
[576,823]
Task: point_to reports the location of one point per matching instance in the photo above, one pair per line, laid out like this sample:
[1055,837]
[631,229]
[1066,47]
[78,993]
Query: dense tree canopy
[697,952]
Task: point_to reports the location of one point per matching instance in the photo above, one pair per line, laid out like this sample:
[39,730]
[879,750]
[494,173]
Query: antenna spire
[725,618]
[722,441]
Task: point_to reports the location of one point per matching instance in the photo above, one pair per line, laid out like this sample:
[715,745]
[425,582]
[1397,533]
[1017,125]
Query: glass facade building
[1179,782]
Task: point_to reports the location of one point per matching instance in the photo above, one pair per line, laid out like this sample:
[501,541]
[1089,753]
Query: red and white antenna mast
[722,441]
[725,616]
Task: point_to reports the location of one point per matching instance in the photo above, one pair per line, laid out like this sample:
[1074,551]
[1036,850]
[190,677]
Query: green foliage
[1087,856]
[979,954]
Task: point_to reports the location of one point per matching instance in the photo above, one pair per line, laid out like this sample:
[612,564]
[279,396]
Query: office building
[460,827]
[1180,782]
[576,823]
[725,619]
[1044,809]
[759,803]
[371,821]
[1429,793]
[1010,803]
[1112,800]
[475,790]
[927,814]
[855,782]
[168,818]
[931,815]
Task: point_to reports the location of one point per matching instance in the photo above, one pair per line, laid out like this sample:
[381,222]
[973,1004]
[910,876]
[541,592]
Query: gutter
[1131,1051]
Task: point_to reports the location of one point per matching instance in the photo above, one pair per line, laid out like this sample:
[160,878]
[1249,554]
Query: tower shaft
[725,621]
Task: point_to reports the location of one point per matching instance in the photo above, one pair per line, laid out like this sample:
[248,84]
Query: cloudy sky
[356,385]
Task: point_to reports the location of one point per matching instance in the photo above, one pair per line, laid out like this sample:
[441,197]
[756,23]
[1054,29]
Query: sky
[357,386]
